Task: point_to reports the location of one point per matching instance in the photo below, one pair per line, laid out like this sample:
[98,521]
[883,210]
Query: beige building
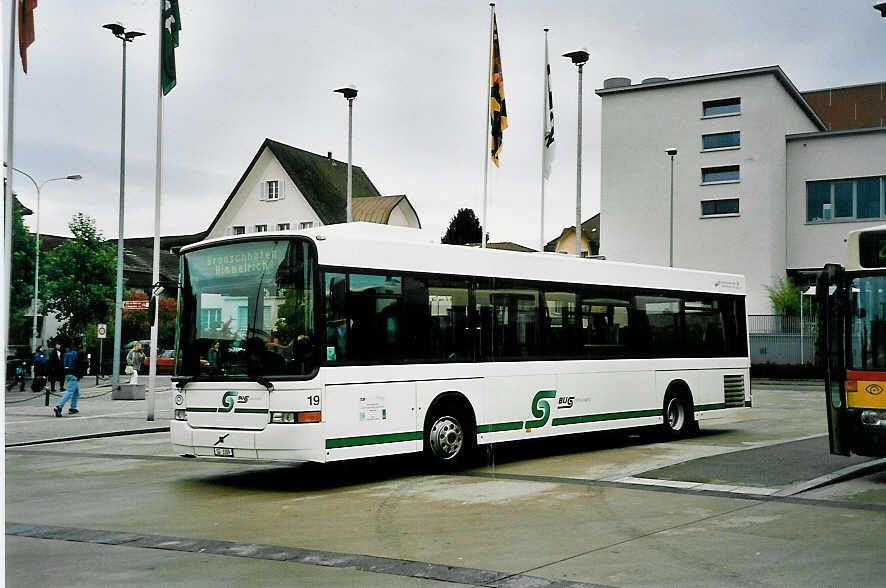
[289,188]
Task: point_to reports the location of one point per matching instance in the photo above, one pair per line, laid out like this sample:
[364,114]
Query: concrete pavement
[29,421]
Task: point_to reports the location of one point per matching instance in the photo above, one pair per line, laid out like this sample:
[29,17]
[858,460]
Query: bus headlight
[181,414]
[311,416]
[873,418]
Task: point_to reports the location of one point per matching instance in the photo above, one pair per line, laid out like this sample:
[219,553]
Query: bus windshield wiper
[182,381]
[264,382]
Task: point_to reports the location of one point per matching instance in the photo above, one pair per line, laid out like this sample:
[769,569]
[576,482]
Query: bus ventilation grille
[733,386]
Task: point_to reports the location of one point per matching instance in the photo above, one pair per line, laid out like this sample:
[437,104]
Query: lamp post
[672,152]
[349,92]
[39,187]
[121,33]
[579,57]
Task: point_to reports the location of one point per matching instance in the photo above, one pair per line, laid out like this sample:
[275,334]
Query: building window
[721,140]
[306,225]
[261,228]
[283,226]
[272,189]
[718,207]
[239,230]
[724,173]
[721,107]
[845,199]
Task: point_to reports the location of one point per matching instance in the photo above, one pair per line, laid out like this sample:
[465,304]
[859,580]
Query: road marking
[700,486]
[348,561]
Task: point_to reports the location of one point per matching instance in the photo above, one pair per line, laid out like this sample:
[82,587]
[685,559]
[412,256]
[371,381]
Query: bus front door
[830,321]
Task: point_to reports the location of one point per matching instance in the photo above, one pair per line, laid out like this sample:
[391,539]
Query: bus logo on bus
[227,401]
[874,389]
[541,408]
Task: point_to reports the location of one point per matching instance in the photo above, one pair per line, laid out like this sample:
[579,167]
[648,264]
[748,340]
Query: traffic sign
[135,305]
[101,331]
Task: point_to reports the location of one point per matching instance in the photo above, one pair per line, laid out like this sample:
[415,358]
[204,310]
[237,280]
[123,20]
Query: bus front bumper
[279,442]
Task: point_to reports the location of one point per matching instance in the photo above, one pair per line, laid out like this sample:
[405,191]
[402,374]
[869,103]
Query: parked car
[166,362]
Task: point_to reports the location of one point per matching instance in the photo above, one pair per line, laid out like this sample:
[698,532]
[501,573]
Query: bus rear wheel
[678,419]
[449,438]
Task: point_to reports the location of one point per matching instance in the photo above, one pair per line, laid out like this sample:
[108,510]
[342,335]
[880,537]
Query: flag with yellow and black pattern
[497,109]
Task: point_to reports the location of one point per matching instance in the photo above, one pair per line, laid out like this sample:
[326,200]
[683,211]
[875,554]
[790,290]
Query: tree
[784,297]
[22,274]
[80,278]
[463,228]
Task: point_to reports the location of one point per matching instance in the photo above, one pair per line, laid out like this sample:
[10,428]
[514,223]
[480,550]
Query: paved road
[585,510]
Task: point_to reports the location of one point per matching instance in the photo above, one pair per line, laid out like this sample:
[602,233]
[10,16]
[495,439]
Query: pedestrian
[71,366]
[54,370]
[134,359]
[39,369]
[21,369]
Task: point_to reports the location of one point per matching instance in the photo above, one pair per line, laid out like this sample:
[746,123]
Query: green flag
[171,27]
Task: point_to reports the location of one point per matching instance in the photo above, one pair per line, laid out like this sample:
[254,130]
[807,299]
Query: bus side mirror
[337,294]
[152,309]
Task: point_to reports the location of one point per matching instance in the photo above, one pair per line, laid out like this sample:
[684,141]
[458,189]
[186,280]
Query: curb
[91,436]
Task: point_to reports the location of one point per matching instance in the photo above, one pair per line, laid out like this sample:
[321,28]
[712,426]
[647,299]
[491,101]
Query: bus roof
[864,252]
[373,246]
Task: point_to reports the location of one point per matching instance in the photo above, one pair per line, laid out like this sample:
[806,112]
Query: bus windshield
[868,323]
[247,310]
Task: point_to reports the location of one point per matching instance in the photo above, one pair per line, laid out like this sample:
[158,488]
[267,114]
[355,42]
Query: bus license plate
[223,452]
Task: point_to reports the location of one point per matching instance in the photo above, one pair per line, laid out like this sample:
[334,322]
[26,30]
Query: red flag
[25,29]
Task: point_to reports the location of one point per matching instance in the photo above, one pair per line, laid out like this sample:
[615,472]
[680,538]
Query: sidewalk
[28,420]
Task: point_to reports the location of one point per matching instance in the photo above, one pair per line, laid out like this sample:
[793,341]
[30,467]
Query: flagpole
[158,184]
[544,136]
[486,128]
[7,208]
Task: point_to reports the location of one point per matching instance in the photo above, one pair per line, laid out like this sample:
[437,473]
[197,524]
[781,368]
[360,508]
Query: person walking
[54,370]
[134,359]
[72,384]
[21,370]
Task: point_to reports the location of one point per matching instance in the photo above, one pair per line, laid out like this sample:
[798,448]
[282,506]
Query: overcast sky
[266,68]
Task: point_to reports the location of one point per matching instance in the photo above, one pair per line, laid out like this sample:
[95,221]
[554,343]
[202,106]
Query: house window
[721,107]
[282,226]
[718,207]
[272,189]
[721,140]
[724,173]
[306,225]
[261,228]
[845,199]
[239,230]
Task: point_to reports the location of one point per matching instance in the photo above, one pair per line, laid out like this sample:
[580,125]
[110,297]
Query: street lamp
[579,57]
[349,92]
[672,152]
[126,36]
[39,187]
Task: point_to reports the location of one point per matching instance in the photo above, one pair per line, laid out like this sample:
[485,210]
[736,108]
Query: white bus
[350,341]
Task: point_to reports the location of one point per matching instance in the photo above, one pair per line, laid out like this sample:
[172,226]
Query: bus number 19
[314,400]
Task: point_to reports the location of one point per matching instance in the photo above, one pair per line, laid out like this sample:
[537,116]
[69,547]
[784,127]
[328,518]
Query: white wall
[637,127]
[827,157]
[248,209]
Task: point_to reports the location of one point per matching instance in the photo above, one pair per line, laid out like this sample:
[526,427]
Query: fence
[781,340]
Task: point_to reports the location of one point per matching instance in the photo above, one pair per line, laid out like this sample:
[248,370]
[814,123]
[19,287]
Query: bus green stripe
[246,410]
[609,416]
[715,406]
[493,427]
[373,439]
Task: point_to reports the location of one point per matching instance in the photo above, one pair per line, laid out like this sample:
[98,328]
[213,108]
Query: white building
[289,188]
[761,186]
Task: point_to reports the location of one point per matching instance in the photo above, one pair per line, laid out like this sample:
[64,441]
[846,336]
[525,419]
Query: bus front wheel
[449,437]
[678,418]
